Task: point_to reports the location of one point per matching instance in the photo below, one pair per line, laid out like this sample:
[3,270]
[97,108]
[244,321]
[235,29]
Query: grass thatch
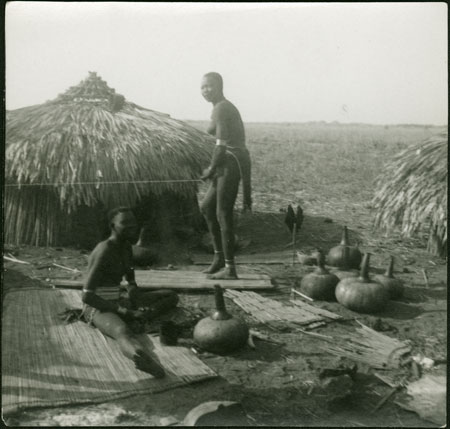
[88,134]
[412,192]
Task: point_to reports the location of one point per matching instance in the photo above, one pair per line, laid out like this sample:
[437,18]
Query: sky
[379,63]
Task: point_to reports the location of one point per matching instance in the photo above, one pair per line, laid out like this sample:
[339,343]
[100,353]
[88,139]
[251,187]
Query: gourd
[344,271]
[362,294]
[336,254]
[394,286]
[221,332]
[216,413]
[320,284]
[143,256]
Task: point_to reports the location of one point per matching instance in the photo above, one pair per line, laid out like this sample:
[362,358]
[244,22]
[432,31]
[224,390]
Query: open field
[324,167]
[329,169]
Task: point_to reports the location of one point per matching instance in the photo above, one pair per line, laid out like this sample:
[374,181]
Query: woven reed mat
[276,314]
[46,363]
[180,279]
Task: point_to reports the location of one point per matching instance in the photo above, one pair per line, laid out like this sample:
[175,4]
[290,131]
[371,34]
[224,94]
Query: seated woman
[109,262]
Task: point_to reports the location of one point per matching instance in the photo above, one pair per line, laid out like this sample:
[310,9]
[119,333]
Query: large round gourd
[362,294]
[394,286]
[220,333]
[320,284]
[336,257]
[345,271]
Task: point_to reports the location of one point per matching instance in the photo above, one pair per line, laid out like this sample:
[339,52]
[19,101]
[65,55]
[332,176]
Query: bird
[289,219]
[293,218]
[299,217]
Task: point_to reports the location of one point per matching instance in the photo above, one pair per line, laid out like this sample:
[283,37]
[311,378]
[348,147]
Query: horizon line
[397,124]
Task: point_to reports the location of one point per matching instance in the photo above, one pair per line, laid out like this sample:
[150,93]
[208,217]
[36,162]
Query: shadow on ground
[418,294]
[267,232]
[399,310]
[13,279]
[265,352]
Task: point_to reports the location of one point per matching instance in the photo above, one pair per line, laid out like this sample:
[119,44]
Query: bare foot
[227,273]
[217,264]
[145,363]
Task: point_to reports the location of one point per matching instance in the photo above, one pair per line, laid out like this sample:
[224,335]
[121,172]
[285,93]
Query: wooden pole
[302,295]
[294,239]
[425,277]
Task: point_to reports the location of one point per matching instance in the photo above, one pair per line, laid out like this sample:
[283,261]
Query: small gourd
[336,256]
[320,284]
[143,256]
[221,332]
[216,413]
[344,271]
[362,294]
[394,286]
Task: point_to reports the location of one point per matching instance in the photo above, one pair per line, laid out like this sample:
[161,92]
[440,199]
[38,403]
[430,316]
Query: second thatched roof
[412,192]
[91,134]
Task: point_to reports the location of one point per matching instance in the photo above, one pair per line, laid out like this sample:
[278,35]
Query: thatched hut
[89,150]
[412,192]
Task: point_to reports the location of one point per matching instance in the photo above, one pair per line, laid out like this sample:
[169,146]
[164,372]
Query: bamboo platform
[183,280]
[46,363]
[276,314]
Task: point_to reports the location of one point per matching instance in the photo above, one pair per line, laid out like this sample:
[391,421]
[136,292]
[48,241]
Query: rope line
[98,183]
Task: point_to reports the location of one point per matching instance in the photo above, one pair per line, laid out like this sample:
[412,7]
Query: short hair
[114,212]
[217,77]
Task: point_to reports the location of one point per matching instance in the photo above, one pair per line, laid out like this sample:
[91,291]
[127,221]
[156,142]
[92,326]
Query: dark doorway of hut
[169,225]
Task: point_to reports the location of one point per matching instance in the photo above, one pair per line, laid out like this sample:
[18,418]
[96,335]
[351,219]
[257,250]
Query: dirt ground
[329,169]
[276,385]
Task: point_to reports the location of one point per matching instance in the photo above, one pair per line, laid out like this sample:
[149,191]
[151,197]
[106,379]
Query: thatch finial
[93,89]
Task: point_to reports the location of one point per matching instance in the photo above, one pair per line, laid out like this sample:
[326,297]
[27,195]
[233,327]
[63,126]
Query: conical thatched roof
[412,192]
[91,134]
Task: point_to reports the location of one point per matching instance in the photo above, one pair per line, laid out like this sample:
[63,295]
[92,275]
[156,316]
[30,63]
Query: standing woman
[230,163]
